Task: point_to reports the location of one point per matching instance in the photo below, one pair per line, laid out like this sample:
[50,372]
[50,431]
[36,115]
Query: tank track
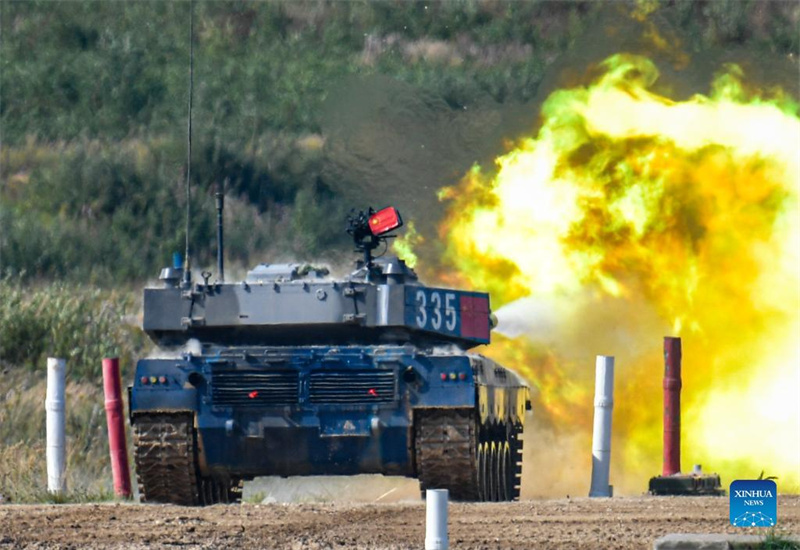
[165,452]
[446,445]
[473,463]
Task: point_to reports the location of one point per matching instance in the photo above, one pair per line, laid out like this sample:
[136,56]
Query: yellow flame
[405,244]
[635,215]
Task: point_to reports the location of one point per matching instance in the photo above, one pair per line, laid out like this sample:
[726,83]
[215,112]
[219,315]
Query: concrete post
[601,437]
[54,405]
[436,519]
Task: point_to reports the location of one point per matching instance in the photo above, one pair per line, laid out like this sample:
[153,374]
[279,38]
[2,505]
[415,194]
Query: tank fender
[502,395]
[444,381]
[502,404]
[165,385]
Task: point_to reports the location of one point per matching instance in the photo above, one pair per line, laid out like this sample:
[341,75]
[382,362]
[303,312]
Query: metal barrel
[112,388]
[672,406]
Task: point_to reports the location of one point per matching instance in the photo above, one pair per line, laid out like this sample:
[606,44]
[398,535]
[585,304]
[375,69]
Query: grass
[82,325]
[23,469]
[78,323]
[777,541]
[93,111]
[255,498]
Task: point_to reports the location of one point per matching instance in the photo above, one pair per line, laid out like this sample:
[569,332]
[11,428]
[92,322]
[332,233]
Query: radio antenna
[220,241]
[187,274]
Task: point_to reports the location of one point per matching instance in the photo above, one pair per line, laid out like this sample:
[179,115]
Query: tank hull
[326,410]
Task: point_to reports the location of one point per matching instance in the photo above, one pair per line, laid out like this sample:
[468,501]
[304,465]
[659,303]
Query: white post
[436,519]
[601,437]
[54,404]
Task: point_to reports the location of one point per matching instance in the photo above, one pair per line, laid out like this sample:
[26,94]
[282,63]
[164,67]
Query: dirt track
[566,523]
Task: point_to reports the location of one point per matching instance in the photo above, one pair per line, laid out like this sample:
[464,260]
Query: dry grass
[82,325]
[23,470]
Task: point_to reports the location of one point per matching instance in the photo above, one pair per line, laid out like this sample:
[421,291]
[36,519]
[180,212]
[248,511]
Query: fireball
[630,216]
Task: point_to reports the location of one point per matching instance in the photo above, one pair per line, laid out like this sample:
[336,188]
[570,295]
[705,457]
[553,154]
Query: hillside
[306,109]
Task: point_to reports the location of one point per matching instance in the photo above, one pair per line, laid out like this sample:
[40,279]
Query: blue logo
[754,503]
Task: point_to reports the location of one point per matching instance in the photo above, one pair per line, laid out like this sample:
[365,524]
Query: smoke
[192,347]
[555,461]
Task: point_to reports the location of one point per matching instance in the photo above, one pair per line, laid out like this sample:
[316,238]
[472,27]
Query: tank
[291,372]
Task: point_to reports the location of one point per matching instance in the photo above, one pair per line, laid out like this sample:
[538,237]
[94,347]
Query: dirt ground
[619,523]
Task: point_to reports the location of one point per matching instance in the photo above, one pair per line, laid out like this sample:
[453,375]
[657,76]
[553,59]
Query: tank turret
[381,302]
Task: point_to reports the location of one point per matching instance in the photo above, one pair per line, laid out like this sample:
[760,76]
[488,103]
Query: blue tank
[291,372]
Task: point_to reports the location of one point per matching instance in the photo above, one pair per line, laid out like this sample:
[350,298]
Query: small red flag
[384,221]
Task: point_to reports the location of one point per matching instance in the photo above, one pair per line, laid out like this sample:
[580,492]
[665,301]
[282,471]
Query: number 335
[435,310]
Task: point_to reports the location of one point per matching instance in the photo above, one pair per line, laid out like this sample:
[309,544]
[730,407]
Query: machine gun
[369,229]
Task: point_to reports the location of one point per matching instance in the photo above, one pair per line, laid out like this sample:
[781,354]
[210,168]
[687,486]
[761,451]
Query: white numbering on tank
[450,311]
[436,303]
[436,318]
[422,315]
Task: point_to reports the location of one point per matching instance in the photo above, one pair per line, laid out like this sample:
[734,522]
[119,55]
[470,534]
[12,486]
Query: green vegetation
[81,324]
[94,96]
[255,498]
[93,117]
[776,541]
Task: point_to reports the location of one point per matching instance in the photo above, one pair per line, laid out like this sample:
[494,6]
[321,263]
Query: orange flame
[631,216]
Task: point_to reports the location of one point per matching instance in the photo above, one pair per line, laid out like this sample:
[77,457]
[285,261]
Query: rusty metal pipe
[672,406]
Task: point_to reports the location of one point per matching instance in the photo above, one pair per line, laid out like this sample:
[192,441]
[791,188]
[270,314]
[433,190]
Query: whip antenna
[187,275]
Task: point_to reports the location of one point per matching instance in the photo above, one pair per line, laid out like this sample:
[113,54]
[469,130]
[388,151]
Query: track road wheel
[220,490]
[494,472]
[506,473]
[482,472]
